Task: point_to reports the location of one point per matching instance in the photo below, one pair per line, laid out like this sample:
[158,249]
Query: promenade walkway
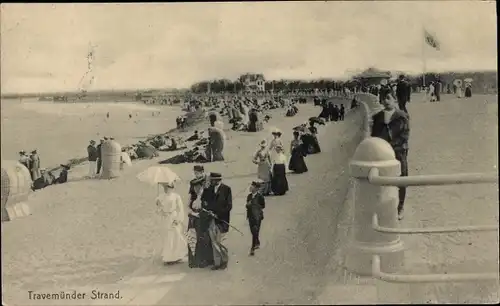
[452,136]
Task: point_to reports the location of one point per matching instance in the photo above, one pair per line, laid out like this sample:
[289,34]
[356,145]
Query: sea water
[62,131]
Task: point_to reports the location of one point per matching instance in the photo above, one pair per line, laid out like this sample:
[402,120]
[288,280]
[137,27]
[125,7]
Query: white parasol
[158,174]
[468,80]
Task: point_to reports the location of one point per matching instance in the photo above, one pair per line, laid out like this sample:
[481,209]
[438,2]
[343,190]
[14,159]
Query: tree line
[228,86]
[481,78]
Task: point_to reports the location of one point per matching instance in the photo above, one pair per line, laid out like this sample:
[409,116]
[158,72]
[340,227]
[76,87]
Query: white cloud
[174,45]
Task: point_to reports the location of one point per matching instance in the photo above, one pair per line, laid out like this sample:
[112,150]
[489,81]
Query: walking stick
[213,215]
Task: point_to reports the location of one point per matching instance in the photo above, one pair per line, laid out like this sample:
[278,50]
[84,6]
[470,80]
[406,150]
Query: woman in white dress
[170,207]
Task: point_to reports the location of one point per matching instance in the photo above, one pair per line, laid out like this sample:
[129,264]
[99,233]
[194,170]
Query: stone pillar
[364,242]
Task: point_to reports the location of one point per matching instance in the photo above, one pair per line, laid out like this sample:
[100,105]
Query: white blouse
[170,206]
[279,158]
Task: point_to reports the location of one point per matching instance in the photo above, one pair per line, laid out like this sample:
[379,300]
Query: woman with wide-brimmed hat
[198,240]
[262,159]
[298,152]
[170,207]
[276,133]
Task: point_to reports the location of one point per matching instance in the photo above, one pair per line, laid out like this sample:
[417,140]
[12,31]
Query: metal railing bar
[432,180]
[431,230]
[428,278]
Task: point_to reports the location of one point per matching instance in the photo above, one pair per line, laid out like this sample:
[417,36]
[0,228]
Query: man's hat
[215,176]
[34,151]
[22,152]
[198,168]
[256,183]
[92,141]
[105,138]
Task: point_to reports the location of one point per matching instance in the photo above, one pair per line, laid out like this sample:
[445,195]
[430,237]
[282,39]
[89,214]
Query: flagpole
[424,59]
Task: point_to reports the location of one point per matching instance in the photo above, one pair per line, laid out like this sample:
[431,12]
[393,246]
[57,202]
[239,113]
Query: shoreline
[72,162]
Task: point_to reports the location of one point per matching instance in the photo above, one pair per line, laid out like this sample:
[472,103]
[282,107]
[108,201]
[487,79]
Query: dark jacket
[384,90]
[220,204]
[396,133]
[403,91]
[195,186]
[437,88]
[255,207]
[99,152]
[92,153]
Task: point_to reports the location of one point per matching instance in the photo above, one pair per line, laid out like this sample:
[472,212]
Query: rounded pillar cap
[374,149]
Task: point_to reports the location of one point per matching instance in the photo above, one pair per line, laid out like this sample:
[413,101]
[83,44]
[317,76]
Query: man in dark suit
[437,90]
[255,213]
[218,202]
[99,156]
[384,90]
[393,125]
[403,92]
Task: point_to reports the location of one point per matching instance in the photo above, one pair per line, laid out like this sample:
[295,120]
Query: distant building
[253,82]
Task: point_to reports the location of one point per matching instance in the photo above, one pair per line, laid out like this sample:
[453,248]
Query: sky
[44,47]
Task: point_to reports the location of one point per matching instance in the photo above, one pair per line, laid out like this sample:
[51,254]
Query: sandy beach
[62,131]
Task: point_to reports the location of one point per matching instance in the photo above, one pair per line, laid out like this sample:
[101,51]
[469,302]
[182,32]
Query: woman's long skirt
[200,254]
[279,183]
[174,242]
[468,92]
[297,163]
[264,174]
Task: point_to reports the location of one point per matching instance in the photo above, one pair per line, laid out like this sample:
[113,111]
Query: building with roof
[253,82]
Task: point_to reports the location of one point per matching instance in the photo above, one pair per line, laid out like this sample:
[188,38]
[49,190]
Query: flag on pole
[431,40]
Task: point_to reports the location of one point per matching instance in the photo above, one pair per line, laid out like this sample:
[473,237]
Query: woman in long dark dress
[298,152]
[279,183]
[310,140]
[325,111]
[468,91]
[200,254]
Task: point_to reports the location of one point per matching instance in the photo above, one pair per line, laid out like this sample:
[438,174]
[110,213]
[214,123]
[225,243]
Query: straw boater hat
[215,176]
[276,131]
[257,183]
[263,143]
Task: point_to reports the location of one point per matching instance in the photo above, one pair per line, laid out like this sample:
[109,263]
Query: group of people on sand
[31,162]
[94,154]
[40,177]
[211,201]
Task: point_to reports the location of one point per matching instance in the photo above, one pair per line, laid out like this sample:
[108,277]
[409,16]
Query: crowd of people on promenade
[211,201]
